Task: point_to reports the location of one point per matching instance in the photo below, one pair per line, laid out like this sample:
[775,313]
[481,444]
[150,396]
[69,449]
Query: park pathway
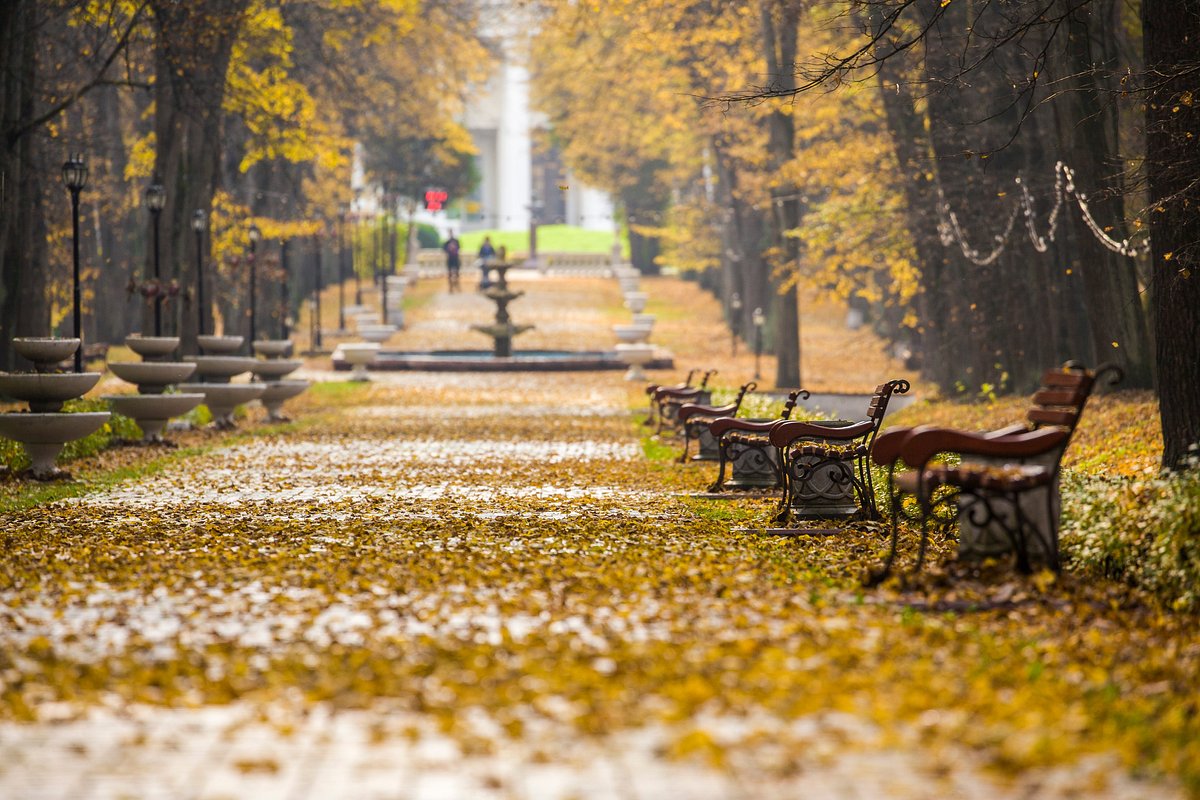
[442,587]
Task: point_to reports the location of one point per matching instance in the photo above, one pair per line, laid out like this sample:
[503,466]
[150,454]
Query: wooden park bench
[1001,484]
[696,418]
[744,445]
[665,401]
[652,391]
[827,465]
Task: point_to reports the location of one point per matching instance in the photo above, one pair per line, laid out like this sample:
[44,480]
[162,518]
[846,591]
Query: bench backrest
[792,397]
[1064,392]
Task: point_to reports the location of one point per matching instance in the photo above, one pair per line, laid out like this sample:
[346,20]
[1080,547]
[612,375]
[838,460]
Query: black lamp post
[388,240]
[255,236]
[285,270]
[341,234]
[315,336]
[74,175]
[156,198]
[356,258]
[735,320]
[759,319]
[199,225]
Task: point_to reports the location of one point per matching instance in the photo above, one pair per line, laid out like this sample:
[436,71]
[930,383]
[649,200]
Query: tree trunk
[24,310]
[1171,38]
[195,42]
[1087,128]
[779,30]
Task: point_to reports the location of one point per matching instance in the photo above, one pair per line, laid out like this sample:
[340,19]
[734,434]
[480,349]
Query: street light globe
[758,317]
[156,197]
[255,234]
[735,302]
[199,220]
[75,172]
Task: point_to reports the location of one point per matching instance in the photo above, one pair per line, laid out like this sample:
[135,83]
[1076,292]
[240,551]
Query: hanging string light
[951,233]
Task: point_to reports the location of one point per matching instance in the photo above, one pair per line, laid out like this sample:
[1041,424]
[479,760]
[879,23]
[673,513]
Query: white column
[514,168]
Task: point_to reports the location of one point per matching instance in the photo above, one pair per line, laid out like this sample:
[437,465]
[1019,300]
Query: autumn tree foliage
[242,109]
[993,181]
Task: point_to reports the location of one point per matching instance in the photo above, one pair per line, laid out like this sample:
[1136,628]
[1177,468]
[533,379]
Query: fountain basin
[275,395]
[46,392]
[486,361]
[223,398]
[151,411]
[151,377]
[45,351]
[151,346]
[273,348]
[644,319]
[218,345]
[276,368]
[221,368]
[357,356]
[44,435]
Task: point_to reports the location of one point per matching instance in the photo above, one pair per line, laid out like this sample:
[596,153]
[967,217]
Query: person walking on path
[486,254]
[453,262]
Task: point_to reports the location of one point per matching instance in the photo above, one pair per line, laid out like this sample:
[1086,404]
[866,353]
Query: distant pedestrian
[487,254]
[453,261]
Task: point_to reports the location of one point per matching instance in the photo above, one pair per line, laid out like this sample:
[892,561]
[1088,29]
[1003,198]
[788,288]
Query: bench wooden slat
[1059,397]
[1054,378]
[1043,416]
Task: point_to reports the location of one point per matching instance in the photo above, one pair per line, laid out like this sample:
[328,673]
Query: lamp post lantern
[255,236]
[759,319]
[74,175]
[735,320]
[199,225]
[156,198]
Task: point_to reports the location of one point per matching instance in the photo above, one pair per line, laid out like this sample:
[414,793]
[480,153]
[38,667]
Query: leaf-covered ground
[479,586]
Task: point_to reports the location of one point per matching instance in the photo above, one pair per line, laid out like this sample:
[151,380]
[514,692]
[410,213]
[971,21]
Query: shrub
[427,235]
[1143,532]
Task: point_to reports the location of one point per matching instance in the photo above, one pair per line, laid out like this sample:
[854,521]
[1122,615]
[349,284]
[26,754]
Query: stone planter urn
[637,356]
[45,428]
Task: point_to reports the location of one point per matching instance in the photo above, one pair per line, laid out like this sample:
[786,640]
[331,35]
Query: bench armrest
[723,425]
[692,409]
[675,393]
[788,431]
[923,444]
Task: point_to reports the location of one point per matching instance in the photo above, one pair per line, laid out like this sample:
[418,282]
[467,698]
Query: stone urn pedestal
[151,408]
[637,356]
[45,428]
[215,369]
[359,355]
[636,301]
[376,333]
[272,371]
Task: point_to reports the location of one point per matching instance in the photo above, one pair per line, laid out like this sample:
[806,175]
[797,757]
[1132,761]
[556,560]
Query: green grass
[551,239]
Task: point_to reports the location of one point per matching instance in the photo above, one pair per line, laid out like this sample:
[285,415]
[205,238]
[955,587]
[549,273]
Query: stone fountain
[45,428]
[502,330]
[215,368]
[152,406]
[272,371]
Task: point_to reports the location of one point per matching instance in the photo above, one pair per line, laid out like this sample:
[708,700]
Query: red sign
[435,199]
